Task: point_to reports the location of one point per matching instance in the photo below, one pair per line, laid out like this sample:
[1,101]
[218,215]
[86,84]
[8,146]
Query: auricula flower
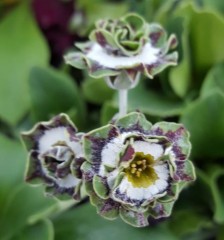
[120,50]
[135,169]
[55,156]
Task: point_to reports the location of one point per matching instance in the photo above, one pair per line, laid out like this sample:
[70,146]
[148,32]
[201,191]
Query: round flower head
[120,50]
[136,169]
[55,156]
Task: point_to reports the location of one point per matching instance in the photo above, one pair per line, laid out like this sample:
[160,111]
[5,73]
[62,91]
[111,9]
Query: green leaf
[213,80]
[18,201]
[84,223]
[217,5]
[180,76]
[96,90]
[207,46]
[22,47]
[53,92]
[188,221]
[214,179]
[204,118]
[42,230]
[98,9]
[108,110]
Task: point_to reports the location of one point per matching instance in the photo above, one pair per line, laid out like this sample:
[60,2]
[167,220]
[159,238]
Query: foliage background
[35,84]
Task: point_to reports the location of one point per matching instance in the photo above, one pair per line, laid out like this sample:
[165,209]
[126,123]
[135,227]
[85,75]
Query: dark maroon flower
[53,17]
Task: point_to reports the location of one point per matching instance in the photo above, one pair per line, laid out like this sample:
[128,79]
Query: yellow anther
[139,162]
[133,165]
[138,174]
[133,170]
[140,170]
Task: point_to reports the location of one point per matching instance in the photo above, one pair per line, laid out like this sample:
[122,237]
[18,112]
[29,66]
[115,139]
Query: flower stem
[123,100]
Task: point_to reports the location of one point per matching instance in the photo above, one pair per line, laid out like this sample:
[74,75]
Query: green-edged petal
[134,218]
[103,38]
[185,171]
[100,187]
[161,210]
[134,122]
[108,208]
[177,135]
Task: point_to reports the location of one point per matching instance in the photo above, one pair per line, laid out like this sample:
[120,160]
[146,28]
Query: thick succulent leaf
[46,86]
[21,47]
[96,90]
[204,119]
[84,223]
[185,223]
[180,76]
[43,229]
[133,218]
[203,40]
[214,179]
[213,80]
[134,122]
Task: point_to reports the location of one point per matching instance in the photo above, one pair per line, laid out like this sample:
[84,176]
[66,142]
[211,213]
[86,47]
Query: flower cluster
[129,168]
[120,50]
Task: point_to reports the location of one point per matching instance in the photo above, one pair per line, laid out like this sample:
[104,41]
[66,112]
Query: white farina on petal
[148,148]
[68,182]
[54,135]
[111,151]
[147,56]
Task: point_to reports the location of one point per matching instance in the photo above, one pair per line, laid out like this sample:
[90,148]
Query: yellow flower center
[140,171]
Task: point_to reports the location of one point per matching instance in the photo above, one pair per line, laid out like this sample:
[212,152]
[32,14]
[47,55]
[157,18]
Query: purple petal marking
[128,155]
[173,137]
[37,169]
[97,146]
[180,174]
[109,205]
[155,36]
[124,198]
[158,210]
[101,39]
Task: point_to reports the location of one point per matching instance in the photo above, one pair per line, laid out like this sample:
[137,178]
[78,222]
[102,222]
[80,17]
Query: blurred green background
[35,84]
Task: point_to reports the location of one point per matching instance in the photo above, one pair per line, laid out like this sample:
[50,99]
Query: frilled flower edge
[151,58]
[109,138]
[55,156]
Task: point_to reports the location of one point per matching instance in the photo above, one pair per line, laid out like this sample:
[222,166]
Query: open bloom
[136,169]
[55,155]
[120,50]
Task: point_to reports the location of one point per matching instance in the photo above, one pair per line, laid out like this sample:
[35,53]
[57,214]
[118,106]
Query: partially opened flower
[55,156]
[120,50]
[136,169]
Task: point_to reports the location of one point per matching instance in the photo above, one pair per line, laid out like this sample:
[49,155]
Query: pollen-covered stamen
[141,172]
